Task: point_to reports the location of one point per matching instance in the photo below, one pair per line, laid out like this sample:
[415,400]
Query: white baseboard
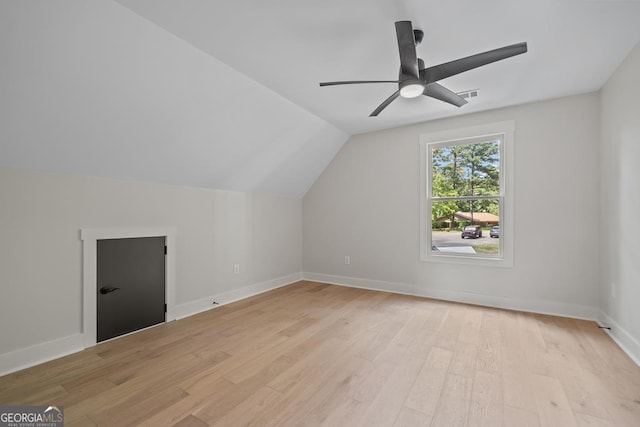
[533,306]
[204,304]
[36,354]
[23,358]
[627,342]
[30,356]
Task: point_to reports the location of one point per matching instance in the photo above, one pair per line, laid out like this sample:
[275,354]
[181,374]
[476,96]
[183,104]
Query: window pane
[466,227]
[466,170]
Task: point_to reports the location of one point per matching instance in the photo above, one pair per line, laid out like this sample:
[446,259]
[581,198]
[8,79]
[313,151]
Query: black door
[131,285]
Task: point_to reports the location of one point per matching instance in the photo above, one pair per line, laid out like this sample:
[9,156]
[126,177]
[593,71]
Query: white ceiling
[225,95]
[88,87]
[291,45]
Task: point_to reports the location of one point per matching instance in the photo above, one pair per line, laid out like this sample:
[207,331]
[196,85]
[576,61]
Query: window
[466,195]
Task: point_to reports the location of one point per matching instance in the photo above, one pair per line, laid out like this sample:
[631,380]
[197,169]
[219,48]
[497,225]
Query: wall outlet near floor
[347,260]
[236,268]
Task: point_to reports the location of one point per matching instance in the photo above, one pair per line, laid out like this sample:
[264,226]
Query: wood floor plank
[220,402]
[318,354]
[449,330]
[253,365]
[427,338]
[384,410]
[486,407]
[452,408]
[426,390]
[333,389]
[77,391]
[412,418]
[309,386]
[520,417]
[250,409]
[553,406]
[488,355]
[584,389]
[464,359]
[131,412]
[585,420]
[490,318]
[320,360]
[178,412]
[347,412]
[80,422]
[372,379]
[190,421]
[470,331]
[384,336]
[516,382]
[147,382]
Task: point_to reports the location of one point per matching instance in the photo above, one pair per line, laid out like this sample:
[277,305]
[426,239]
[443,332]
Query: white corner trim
[89,237]
[203,304]
[627,342]
[34,355]
[533,306]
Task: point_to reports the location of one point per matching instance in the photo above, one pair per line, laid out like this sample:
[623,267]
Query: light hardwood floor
[315,354]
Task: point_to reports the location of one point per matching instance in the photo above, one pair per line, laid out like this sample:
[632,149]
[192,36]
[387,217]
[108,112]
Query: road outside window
[465,196]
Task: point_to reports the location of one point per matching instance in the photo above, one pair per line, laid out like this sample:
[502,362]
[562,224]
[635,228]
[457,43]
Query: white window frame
[505,130]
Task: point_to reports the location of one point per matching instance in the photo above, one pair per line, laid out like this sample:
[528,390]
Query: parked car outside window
[495,231]
[472,231]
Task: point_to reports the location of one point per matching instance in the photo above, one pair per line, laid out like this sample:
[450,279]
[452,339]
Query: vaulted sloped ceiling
[291,45]
[224,94]
[89,87]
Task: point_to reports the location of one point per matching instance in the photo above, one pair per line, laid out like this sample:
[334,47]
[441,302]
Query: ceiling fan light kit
[415,79]
[411,88]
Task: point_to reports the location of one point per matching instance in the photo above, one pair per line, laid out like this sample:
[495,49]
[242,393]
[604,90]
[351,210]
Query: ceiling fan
[415,80]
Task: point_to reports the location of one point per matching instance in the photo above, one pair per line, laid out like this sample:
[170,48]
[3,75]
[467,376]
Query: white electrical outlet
[236,268]
[347,260]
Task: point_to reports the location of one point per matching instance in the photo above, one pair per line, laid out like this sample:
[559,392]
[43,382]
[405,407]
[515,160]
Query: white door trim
[89,237]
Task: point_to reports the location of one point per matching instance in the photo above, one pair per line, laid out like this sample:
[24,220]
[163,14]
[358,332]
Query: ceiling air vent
[469,93]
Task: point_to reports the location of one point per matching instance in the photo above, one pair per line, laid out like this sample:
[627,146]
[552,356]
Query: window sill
[481,261]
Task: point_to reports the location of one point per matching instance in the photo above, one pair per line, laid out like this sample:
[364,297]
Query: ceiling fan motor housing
[418,35]
[411,87]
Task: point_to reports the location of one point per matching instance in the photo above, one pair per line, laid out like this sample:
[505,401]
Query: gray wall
[620,207]
[366,205]
[41,215]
